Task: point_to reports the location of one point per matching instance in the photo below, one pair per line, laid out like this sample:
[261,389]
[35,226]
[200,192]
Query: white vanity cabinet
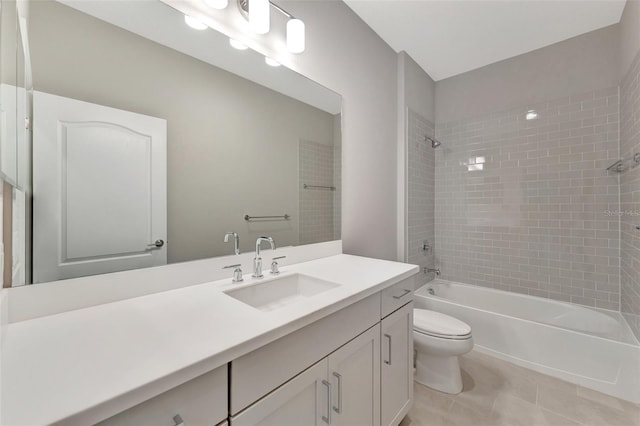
[361,373]
[341,389]
[397,365]
[338,357]
[351,368]
[258,373]
[199,402]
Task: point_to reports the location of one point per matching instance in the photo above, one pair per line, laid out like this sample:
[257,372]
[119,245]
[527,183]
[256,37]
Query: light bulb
[194,23]
[237,44]
[295,36]
[217,4]
[271,62]
[259,15]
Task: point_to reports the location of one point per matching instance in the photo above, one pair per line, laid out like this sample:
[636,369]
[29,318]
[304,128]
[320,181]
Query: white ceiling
[449,37]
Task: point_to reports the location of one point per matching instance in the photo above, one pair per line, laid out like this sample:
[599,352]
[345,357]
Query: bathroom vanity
[328,342]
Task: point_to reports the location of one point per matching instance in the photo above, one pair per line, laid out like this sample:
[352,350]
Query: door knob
[157,244]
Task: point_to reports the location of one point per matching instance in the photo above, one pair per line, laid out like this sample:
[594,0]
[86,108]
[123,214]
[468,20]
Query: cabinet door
[303,401]
[354,373]
[397,365]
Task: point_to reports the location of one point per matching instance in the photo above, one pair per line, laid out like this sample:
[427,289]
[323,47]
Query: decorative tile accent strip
[521,205]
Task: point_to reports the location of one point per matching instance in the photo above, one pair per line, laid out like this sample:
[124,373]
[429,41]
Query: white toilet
[438,341]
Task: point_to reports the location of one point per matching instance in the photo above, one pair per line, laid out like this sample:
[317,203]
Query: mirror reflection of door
[99,189]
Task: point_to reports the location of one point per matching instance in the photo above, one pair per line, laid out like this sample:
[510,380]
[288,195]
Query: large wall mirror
[152,139]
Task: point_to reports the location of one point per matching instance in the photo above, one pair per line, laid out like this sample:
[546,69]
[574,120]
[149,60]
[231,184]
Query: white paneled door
[99,189]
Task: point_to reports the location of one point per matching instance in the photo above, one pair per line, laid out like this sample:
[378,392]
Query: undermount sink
[280,292]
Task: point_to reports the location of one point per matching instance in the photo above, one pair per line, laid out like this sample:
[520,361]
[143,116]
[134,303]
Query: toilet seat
[439,325]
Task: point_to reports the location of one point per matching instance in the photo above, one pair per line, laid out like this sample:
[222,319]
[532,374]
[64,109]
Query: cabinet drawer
[201,401]
[397,295]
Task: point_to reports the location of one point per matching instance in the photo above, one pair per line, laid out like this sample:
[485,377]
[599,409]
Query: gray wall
[8,28]
[629,38]
[418,88]
[232,145]
[345,55]
[629,211]
[577,65]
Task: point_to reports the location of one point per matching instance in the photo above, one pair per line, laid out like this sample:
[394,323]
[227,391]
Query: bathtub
[592,348]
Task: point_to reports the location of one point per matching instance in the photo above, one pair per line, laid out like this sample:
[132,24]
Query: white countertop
[82,366]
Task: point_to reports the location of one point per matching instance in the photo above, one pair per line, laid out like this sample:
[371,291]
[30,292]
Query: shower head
[434,143]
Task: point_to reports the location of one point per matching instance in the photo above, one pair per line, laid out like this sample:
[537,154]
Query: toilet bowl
[438,341]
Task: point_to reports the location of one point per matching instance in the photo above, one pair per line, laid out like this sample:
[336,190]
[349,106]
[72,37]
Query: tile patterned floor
[498,393]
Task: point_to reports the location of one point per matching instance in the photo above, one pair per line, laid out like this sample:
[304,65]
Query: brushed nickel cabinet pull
[327,418]
[338,409]
[388,361]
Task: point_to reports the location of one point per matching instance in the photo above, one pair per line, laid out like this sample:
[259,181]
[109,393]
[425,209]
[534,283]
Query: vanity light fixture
[255,11]
[194,23]
[295,35]
[259,16]
[271,62]
[237,44]
[217,4]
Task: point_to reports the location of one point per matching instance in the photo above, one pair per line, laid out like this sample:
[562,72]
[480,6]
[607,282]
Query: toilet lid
[438,324]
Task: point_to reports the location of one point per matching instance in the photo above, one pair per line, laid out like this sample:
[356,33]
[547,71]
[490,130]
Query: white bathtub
[593,348]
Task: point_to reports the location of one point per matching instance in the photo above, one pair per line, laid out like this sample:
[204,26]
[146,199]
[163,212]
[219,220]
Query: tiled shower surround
[337,182]
[421,190]
[316,167]
[630,196]
[527,205]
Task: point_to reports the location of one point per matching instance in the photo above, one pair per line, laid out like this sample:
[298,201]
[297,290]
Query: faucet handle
[274,264]
[237,272]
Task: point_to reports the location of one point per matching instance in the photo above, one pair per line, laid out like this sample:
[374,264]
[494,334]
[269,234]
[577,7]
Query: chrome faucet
[236,241]
[257,260]
[429,270]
